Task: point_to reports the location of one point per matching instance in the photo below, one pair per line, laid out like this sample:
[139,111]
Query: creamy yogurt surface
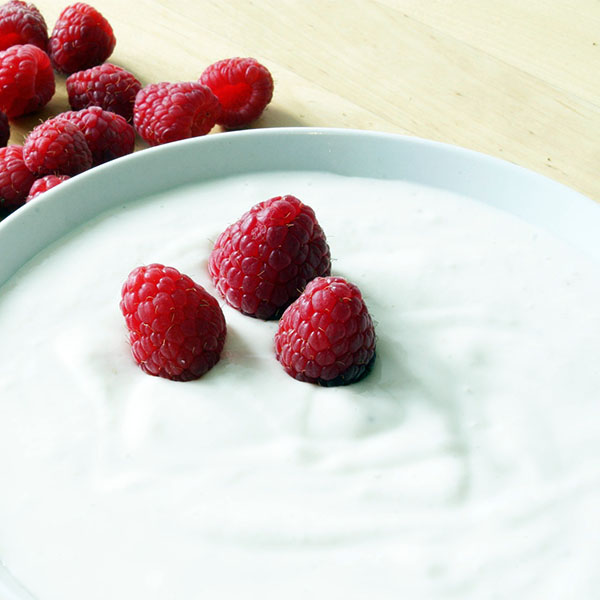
[465,466]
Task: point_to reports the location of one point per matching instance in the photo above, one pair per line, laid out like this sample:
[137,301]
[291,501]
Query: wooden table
[514,79]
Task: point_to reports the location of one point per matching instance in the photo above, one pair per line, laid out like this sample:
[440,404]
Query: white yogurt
[465,466]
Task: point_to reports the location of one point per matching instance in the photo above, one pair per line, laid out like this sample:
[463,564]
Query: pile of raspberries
[273,263]
[109,105]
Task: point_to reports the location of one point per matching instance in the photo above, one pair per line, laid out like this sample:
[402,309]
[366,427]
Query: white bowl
[529,196]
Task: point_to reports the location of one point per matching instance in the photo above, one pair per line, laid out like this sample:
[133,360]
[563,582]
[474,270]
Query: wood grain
[513,79]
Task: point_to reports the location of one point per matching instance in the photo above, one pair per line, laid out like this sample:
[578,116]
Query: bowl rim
[530,196]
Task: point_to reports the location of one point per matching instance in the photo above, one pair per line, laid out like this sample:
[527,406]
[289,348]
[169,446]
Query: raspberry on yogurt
[262,262]
[176,328]
[327,335]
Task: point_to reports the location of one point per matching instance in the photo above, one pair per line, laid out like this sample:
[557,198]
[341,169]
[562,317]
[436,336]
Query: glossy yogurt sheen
[466,466]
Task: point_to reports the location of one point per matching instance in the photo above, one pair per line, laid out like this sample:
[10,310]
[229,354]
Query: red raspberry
[176,328]
[44,184]
[15,178]
[107,86]
[166,112]
[261,263]
[22,23]
[57,147]
[26,80]
[4,129]
[243,86]
[81,38]
[327,335]
[107,134]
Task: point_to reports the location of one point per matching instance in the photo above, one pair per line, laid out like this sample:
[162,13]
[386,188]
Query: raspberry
[15,178]
[107,134]
[107,86]
[243,86]
[57,147]
[44,184]
[81,38]
[22,23]
[26,80]
[327,335]
[4,129]
[166,112]
[176,328]
[261,263]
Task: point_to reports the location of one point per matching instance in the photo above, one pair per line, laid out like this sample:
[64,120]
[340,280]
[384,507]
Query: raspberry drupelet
[166,112]
[22,23]
[327,336]
[243,86]
[15,178]
[57,147]
[107,134]
[261,263]
[26,80]
[176,328]
[43,184]
[108,86]
[81,38]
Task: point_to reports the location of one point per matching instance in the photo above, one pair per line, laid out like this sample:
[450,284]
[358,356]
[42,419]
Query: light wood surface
[514,79]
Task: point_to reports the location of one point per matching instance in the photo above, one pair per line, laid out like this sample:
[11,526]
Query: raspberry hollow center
[233,96]
[10,39]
